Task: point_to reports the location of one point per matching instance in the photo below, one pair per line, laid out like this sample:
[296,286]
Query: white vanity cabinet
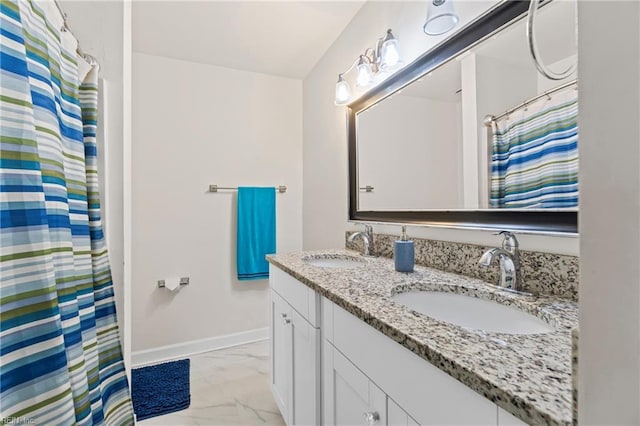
[295,350]
[365,376]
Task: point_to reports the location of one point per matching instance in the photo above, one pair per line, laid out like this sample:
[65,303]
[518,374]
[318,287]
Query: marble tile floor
[228,387]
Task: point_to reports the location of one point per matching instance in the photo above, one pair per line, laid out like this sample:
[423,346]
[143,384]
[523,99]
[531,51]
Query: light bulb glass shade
[441,17]
[343,91]
[364,76]
[390,55]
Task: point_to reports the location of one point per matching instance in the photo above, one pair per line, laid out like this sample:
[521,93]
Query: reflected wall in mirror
[429,146]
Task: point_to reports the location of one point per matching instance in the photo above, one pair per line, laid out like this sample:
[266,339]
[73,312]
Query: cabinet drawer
[428,394]
[301,298]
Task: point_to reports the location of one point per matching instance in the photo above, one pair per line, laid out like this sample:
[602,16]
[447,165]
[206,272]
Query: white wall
[99,27]
[408,152]
[609,96]
[325,140]
[195,125]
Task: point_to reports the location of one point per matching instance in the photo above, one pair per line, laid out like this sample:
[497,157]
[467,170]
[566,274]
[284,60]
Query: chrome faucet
[509,257]
[367,240]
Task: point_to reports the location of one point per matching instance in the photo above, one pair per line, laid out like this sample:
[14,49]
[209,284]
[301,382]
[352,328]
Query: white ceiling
[285,38]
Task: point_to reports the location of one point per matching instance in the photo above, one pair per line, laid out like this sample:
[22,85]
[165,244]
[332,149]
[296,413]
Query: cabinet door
[280,347]
[350,398]
[396,416]
[305,404]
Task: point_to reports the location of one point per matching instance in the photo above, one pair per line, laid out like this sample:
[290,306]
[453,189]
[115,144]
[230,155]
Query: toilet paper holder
[183,281]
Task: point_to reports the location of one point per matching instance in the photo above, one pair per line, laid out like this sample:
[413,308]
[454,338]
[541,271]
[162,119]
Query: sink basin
[340,262]
[471,312]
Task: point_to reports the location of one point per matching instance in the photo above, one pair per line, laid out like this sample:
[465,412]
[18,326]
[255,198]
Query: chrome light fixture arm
[372,57]
[353,64]
[535,53]
[369,56]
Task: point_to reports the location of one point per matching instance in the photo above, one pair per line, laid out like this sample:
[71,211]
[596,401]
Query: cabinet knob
[286,321]
[371,417]
[283,315]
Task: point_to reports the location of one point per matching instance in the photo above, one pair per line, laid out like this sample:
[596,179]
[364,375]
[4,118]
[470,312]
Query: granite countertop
[527,375]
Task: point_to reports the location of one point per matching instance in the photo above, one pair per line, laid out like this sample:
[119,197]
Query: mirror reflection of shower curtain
[534,160]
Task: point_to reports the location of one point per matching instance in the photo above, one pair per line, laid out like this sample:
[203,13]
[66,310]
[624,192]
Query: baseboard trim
[181,350]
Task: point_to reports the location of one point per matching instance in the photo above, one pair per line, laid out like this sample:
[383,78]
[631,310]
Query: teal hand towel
[256,231]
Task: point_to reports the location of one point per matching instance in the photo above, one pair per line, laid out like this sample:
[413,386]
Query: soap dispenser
[403,253]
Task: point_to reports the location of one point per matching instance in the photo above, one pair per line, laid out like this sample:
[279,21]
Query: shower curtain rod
[489,119]
[65,27]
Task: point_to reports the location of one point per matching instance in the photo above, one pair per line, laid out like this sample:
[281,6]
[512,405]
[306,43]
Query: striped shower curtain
[60,354]
[534,162]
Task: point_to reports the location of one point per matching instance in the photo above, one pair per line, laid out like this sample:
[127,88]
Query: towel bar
[215,188]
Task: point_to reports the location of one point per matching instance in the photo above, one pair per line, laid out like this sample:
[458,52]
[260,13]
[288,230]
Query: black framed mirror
[468,168]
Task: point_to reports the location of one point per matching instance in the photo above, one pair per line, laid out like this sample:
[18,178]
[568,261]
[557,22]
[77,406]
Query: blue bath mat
[160,389]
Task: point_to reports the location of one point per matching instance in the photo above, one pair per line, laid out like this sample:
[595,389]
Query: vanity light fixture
[364,76]
[441,17]
[385,57]
[343,92]
[389,53]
